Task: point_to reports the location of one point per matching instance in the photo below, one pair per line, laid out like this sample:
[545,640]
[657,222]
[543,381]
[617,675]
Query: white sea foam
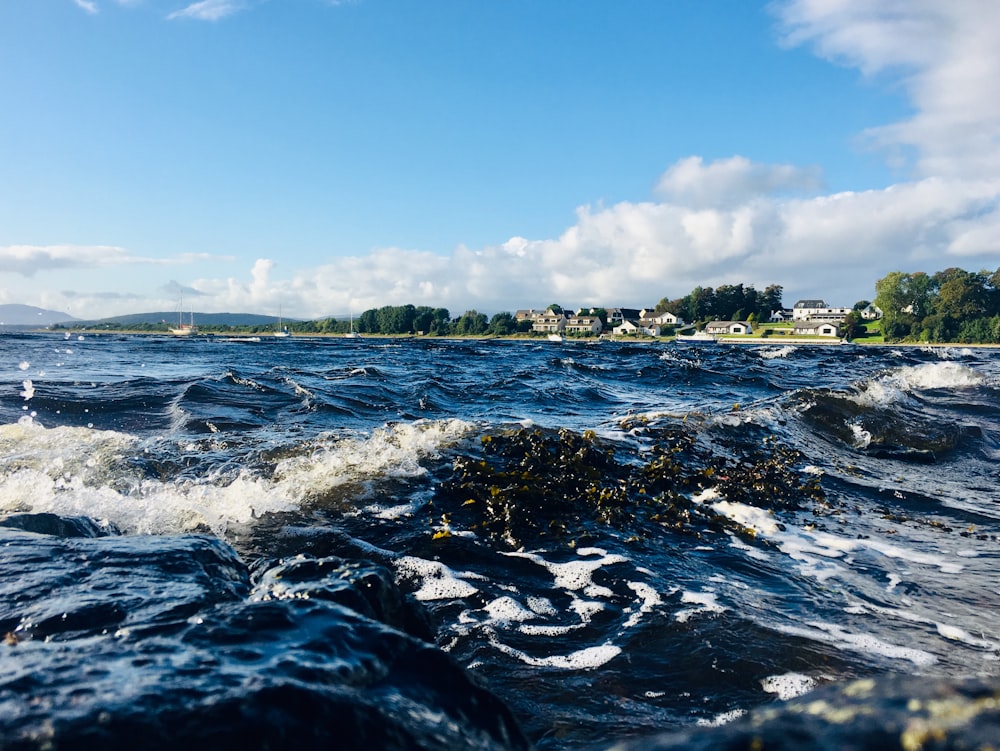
[894,386]
[788,686]
[508,610]
[81,471]
[948,353]
[707,602]
[722,719]
[862,437]
[841,638]
[394,451]
[954,633]
[814,550]
[577,575]
[649,599]
[776,352]
[583,659]
[437,581]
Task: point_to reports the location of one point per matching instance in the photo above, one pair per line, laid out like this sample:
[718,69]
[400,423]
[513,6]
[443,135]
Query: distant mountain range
[21,316]
[29,315]
[201,319]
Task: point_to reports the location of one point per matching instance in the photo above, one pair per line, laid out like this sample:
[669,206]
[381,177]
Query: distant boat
[698,337]
[556,338]
[352,334]
[281,332]
[184,329]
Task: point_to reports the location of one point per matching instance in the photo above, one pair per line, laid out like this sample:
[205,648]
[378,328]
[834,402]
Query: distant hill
[201,319]
[29,315]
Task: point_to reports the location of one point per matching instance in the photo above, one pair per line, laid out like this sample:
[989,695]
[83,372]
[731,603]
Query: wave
[139,486]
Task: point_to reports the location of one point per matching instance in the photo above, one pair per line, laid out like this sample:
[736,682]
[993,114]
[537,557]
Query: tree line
[953,305]
[727,302]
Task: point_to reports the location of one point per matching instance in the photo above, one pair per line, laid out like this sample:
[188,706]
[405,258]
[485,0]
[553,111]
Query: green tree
[770,301]
[851,327]
[367,322]
[962,295]
[502,324]
[903,299]
[471,322]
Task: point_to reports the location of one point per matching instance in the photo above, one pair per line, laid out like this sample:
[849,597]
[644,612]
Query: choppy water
[615,539]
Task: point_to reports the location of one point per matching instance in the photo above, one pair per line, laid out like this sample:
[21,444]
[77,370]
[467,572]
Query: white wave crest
[85,472]
[894,386]
[777,352]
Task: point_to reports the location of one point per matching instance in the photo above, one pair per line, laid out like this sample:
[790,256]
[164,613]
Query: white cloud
[28,260]
[733,181]
[947,58]
[209,10]
[834,247]
[87,5]
[831,246]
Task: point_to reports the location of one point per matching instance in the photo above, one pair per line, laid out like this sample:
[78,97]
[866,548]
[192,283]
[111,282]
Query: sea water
[606,539]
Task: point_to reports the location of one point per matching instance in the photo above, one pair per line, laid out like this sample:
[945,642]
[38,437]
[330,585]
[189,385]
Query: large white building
[817,310]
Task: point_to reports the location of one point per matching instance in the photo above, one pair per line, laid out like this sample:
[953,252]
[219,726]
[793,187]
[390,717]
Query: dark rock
[161,643]
[891,713]
[60,526]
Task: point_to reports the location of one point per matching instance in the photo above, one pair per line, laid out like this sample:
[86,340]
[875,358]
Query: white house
[816,328]
[729,327]
[626,328]
[634,328]
[817,310]
[871,312]
[549,322]
[781,316]
[526,313]
[583,325]
[650,317]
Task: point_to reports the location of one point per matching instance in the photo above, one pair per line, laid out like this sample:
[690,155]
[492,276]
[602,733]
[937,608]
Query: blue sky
[326,157]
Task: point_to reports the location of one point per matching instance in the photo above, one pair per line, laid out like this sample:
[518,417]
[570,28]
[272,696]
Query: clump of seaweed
[529,485]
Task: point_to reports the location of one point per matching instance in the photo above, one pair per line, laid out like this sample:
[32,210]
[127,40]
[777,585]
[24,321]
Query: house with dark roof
[816,328]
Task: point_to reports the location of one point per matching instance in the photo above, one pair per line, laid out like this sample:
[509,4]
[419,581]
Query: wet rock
[60,526]
[364,587]
[182,651]
[891,713]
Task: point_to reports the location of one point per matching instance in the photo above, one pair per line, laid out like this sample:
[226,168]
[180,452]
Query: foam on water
[707,602]
[862,437]
[393,451]
[776,352]
[583,659]
[788,686]
[894,386]
[437,581]
[80,471]
[722,719]
[841,638]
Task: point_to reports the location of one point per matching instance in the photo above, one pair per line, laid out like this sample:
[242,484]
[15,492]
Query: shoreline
[264,336]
